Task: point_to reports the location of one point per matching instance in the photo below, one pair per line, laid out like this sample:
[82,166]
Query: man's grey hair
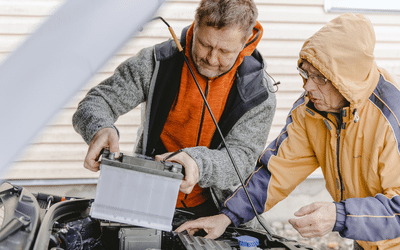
[227,13]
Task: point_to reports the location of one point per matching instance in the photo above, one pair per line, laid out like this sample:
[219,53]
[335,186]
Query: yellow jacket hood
[343,51]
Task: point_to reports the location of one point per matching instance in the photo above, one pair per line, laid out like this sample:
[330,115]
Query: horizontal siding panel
[57,134]
[387,50]
[183,11]
[392,66]
[290,2]
[293,14]
[49,170]
[285,100]
[67,135]
[65,117]
[387,33]
[282,66]
[301,32]
[62,152]
[280,117]
[54,152]
[273,48]
[383,19]
[315,14]
[273,133]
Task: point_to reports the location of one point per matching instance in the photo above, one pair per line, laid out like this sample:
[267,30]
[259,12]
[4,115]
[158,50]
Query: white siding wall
[58,152]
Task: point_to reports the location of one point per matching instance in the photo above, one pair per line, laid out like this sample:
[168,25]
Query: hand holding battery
[104,138]
[191,169]
[315,220]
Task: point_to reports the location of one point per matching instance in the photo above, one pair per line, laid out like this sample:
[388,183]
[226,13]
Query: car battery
[137,190]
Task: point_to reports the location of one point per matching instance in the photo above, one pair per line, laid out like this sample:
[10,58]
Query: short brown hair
[228,13]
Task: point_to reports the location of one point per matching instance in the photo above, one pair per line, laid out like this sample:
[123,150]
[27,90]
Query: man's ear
[249,36]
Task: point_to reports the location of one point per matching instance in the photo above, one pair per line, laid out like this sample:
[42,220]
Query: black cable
[219,131]
[162,19]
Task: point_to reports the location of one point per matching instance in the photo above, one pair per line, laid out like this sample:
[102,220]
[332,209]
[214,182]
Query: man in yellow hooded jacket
[348,123]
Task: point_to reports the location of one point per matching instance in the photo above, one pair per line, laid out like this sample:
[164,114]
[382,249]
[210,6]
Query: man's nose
[212,57]
[309,85]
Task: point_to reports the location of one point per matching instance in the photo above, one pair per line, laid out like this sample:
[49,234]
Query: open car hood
[42,222]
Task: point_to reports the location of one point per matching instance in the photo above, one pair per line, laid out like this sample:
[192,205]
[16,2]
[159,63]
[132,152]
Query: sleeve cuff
[340,217]
[114,127]
[195,156]
[231,216]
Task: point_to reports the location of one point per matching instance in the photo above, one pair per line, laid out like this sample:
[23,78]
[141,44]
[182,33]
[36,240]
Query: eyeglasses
[320,80]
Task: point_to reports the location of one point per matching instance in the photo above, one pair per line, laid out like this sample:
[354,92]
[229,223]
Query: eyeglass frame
[305,75]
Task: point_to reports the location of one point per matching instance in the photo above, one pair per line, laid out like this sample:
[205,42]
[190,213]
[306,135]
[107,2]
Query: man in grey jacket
[221,48]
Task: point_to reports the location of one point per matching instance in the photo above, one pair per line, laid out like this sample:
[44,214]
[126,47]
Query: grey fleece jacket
[132,84]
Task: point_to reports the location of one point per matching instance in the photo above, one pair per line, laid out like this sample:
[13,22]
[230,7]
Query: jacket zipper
[202,114]
[337,160]
[339,183]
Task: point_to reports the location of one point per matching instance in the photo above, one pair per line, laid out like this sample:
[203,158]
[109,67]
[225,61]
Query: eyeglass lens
[317,79]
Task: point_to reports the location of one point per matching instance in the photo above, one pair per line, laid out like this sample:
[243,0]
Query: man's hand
[191,170]
[106,137]
[316,219]
[214,226]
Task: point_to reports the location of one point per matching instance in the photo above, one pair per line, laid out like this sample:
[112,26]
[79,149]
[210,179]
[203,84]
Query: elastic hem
[340,217]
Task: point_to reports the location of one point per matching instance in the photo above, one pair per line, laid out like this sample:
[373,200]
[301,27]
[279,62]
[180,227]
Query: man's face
[325,97]
[214,51]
